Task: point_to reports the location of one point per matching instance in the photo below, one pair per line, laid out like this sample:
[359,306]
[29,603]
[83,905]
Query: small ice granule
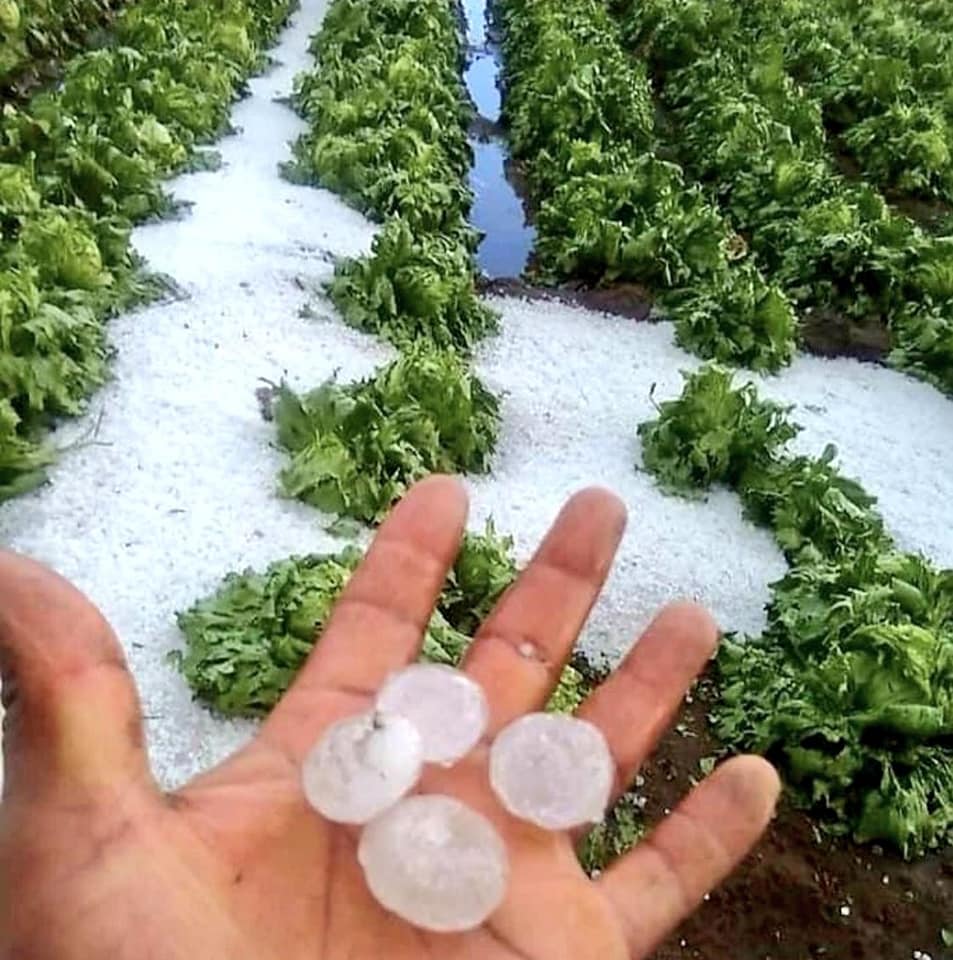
[435,862]
[553,770]
[361,766]
[448,709]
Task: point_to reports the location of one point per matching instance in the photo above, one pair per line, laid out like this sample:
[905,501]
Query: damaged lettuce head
[850,691]
[354,450]
[245,643]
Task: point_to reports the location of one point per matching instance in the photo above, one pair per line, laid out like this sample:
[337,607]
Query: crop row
[609,208]
[387,129]
[36,30]
[388,117]
[79,165]
[756,140]
[879,71]
[882,72]
[850,689]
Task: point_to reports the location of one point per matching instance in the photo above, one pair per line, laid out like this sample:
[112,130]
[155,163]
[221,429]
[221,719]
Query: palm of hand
[96,862]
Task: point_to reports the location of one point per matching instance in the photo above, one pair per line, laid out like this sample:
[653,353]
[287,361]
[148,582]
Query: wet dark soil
[824,333]
[931,213]
[827,333]
[801,895]
[624,299]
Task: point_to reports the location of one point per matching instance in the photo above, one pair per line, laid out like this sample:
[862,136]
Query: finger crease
[506,944]
[584,576]
[670,869]
[397,616]
[351,690]
[523,646]
[421,562]
[711,837]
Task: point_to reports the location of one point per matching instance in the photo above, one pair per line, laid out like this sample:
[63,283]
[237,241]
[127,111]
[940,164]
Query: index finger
[378,623]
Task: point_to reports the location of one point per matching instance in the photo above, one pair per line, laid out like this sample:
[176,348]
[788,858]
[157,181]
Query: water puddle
[498,211]
[480,79]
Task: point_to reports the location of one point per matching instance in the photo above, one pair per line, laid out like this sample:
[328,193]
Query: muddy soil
[624,299]
[801,895]
[827,333]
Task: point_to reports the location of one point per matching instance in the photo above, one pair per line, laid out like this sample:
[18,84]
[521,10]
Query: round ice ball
[436,863]
[362,765]
[552,770]
[448,709]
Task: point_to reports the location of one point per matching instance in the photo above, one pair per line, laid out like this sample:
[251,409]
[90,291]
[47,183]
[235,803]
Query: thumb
[73,721]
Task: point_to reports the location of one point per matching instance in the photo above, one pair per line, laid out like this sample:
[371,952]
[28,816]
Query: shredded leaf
[356,449]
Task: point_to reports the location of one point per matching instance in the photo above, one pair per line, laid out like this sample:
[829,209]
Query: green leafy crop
[712,433]
[387,125]
[246,642]
[80,162]
[612,205]
[387,129]
[850,688]
[736,317]
[815,512]
[414,288]
[356,449]
[32,31]
[750,95]
[484,568]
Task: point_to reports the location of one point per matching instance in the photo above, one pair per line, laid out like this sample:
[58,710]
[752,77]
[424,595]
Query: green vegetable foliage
[712,433]
[80,163]
[850,688]
[356,449]
[612,206]
[388,117]
[246,642]
[413,288]
[749,98]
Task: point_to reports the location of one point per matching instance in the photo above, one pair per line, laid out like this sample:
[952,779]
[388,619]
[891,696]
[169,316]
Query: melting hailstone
[448,709]
[553,770]
[361,766]
[435,862]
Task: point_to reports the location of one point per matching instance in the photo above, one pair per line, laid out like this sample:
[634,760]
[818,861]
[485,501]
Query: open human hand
[97,862]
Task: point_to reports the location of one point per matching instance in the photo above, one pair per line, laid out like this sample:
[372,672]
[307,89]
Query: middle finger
[519,652]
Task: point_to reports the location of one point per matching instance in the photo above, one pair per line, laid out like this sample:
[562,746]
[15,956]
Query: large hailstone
[362,765]
[448,709]
[435,862]
[553,770]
